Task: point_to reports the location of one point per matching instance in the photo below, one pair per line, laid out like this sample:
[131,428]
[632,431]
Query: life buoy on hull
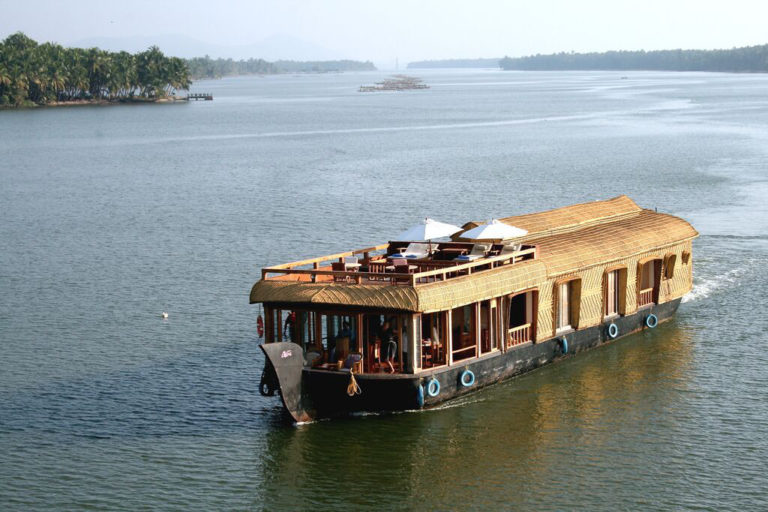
[651,321]
[433,387]
[613,331]
[467,378]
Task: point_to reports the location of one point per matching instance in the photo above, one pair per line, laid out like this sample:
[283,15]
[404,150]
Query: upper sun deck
[401,263]
[434,276]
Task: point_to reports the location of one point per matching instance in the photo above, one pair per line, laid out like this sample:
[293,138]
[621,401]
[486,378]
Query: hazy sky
[410,30]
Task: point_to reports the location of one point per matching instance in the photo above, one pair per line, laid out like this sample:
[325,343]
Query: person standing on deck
[290,326]
[389,344]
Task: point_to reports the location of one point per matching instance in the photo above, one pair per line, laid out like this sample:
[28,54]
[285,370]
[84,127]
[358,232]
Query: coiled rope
[353,388]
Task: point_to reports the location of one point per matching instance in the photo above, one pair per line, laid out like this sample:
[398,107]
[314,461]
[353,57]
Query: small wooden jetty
[396,83]
[205,96]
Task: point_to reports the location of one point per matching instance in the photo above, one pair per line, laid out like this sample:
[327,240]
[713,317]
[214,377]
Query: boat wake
[708,285]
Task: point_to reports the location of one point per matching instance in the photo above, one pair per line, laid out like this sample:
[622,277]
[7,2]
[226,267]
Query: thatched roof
[602,243]
[569,239]
[568,218]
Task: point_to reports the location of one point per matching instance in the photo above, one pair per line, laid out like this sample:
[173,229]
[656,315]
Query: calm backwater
[111,215]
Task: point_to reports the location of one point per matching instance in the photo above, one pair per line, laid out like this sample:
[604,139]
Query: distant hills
[455,63]
[748,59]
[277,47]
[276,54]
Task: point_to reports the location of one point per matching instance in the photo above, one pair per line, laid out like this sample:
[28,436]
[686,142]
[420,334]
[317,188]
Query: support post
[449,337]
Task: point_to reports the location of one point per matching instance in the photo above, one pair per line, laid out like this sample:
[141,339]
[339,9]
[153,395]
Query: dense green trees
[749,59]
[32,73]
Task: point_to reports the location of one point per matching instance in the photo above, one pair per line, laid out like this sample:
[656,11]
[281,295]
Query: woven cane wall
[592,283]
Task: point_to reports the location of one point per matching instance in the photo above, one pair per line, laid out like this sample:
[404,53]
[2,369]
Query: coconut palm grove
[43,74]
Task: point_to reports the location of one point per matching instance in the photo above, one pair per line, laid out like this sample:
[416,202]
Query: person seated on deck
[342,349]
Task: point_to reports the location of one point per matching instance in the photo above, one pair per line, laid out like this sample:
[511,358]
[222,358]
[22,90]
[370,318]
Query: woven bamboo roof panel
[570,218]
[606,242]
[374,296]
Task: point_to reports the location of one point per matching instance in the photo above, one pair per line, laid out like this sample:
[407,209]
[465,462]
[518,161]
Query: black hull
[324,393]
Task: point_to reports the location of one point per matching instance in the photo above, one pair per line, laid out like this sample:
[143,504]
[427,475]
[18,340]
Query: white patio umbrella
[494,230]
[428,230]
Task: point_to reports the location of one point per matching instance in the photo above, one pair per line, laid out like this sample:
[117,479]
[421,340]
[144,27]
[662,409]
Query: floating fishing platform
[396,83]
[198,96]
[409,324]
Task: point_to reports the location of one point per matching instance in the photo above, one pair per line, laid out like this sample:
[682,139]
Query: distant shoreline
[97,102]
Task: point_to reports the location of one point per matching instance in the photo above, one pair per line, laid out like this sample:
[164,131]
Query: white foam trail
[707,286]
[380,129]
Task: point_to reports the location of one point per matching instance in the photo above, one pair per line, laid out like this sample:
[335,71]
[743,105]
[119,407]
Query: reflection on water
[515,442]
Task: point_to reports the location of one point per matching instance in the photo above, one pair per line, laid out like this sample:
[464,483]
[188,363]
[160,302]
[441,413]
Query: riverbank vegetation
[749,59]
[43,74]
[50,74]
[454,63]
[207,67]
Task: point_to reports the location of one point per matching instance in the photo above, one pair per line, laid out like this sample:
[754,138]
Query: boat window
[615,292]
[433,339]
[669,265]
[463,323]
[611,293]
[649,282]
[686,257]
[567,297]
[520,322]
[489,330]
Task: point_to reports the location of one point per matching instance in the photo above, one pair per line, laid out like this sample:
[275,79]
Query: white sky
[410,30]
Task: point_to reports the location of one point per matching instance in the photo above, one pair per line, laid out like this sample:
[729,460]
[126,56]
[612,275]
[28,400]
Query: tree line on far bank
[40,74]
[207,67]
[749,59]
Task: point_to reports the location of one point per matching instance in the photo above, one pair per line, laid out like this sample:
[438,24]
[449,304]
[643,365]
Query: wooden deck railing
[646,297]
[518,335]
[426,272]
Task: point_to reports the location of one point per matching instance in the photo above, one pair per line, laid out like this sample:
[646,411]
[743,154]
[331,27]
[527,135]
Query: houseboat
[412,323]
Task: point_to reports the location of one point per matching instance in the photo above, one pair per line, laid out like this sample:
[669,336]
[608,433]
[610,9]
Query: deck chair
[509,248]
[417,250]
[478,251]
